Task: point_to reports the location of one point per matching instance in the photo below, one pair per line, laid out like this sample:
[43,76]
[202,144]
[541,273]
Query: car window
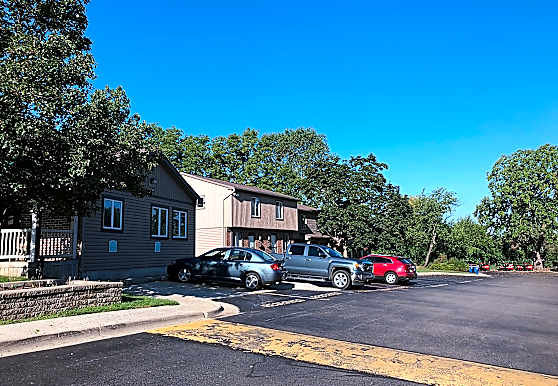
[406,261]
[315,251]
[216,254]
[237,254]
[296,250]
[260,256]
[382,260]
[333,252]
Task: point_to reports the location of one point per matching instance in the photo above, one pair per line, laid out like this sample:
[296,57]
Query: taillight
[275,267]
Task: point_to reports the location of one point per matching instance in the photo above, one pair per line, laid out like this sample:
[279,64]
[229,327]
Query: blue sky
[437,91]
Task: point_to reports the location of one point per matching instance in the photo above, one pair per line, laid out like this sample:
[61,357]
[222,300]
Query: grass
[421,268]
[128,302]
[5,279]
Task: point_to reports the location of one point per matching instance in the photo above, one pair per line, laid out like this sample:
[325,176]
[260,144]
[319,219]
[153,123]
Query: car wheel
[184,275]
[391,278]
[252,281]
[341,280]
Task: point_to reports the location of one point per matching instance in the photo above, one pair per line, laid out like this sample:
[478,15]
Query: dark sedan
[252,267]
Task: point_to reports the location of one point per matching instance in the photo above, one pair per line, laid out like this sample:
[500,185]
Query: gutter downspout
[224,229]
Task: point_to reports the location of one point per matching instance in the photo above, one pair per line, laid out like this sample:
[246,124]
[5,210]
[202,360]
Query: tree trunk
[430,247]
[538,261]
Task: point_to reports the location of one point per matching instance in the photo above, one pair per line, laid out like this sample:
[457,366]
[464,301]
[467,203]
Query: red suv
[392,268]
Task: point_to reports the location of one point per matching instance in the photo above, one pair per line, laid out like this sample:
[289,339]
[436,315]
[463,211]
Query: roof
[306,208]
[164,161]
[244,188]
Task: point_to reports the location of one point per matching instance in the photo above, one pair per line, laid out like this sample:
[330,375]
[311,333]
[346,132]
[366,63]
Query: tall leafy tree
[523,203]
[347,192]
[471,241]
[61,144]
[430,219]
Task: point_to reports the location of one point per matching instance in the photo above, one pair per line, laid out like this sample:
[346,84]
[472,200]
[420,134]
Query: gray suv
[318,262]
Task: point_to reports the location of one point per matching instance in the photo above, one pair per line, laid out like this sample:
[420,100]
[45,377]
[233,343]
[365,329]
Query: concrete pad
[45,334]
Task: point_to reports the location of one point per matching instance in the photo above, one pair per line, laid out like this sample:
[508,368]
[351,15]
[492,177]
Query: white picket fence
[55,244]
[14,244]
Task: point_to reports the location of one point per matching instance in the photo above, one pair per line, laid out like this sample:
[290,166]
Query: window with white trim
[112,214]
[159,221]
[179,224]
[255,207]
[278,210]
[200,204]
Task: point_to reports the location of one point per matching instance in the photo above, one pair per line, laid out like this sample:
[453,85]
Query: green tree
[347,192]
[430,220]
[469,240]
[523,204]
[61,144]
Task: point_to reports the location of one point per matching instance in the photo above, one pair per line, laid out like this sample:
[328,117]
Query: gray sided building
[139,237]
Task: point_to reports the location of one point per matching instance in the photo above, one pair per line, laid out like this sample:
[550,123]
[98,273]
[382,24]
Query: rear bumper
[275,277]
[408,275]
[362,277]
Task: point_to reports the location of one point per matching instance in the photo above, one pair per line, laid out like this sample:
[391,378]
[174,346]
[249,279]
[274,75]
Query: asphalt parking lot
[506,320]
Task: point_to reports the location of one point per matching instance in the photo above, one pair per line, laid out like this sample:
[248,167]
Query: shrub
[450,265]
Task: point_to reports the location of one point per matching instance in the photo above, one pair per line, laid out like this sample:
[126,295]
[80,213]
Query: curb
[440,273]
[7,344]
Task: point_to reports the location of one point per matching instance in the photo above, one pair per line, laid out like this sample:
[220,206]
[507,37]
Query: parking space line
[238,295]
[382,361]
[291,296]
[466,281]
[437,285]
[283,303]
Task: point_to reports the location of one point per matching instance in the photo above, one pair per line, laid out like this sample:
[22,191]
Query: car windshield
[332,252]
[407,261]
[264,255]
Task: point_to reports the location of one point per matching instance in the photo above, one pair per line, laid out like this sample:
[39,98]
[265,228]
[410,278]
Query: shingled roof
[306,208]
[244,188]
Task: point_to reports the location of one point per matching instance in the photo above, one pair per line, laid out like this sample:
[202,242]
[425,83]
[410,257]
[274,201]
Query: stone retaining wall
[29,302]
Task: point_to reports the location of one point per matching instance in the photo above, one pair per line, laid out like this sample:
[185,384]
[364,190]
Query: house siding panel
[242,217]
[207,239]
[136,247]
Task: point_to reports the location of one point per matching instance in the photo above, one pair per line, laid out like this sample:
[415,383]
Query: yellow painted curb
[370,359]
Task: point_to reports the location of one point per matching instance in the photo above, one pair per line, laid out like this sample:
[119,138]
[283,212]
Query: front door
[211,263]
[236,263]
[317,262]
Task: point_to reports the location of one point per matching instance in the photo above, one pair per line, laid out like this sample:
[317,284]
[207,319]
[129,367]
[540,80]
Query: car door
[379,269]
[317,261]
[236,262]
[211,263]
[383,264]
[295,259]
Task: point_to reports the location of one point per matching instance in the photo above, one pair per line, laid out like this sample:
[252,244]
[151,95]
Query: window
[251,241]
[159,222]
[274,243]
[279,210]
[215,254]
[112,214]
[179,221]
[255,206]
[297,250]
[237,239]
[239,255]
[315,251]
[201,202]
